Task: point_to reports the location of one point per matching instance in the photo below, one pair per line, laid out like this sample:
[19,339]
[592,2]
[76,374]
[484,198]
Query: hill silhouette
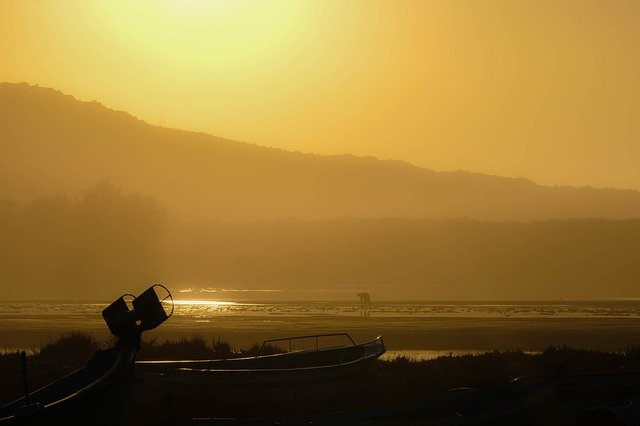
[92,199]
[53,143]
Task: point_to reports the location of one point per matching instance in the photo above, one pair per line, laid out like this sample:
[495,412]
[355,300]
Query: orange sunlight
[497,86]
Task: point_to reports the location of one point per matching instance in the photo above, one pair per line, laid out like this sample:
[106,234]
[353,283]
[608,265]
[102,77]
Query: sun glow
[203,302]
[447,85]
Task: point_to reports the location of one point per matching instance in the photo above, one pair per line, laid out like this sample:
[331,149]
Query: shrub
[69,349]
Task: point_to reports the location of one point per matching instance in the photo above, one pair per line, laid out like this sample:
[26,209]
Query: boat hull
[279,381]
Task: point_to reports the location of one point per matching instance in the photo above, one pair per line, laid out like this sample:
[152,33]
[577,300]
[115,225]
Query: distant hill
[107,242]
[52,143]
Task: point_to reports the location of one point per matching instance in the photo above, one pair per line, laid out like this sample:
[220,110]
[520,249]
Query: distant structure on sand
[365,304]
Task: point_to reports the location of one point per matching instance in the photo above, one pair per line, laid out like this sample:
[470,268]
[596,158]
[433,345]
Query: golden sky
[549,90]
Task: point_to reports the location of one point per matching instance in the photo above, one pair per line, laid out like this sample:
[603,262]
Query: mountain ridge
[211,211]
[56,143]
[390,161]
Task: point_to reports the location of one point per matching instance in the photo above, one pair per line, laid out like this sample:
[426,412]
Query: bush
[69,349]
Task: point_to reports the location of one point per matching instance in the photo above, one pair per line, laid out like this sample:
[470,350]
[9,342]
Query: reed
[400,380]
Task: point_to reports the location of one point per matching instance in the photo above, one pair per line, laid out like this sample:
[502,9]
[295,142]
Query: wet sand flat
[424,333]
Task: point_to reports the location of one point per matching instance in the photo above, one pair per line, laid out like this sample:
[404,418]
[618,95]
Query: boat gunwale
[277,370]
[377,341]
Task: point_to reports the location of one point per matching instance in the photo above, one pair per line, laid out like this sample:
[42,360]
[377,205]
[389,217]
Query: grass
[396,381]
[46,364]
[197,347]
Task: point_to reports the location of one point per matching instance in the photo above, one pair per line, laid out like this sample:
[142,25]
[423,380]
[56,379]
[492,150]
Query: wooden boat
[283,370]
[98,393]
[288,369]
[195,387]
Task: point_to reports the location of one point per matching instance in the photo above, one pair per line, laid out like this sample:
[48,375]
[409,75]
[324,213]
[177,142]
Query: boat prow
[97,393]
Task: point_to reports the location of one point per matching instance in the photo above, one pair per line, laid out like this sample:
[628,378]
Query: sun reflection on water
[203,302]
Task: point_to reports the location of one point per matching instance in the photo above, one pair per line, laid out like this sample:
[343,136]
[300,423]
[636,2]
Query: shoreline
[433,333]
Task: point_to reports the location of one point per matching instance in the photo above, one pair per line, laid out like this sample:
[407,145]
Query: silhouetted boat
[287,369]
[277,377]
[98,393]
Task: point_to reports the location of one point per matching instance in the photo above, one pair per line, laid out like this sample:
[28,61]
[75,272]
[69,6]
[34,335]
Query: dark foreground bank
[383,384]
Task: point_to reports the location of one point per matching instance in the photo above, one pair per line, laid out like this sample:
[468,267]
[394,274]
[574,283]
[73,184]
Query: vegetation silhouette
[61,247]
[386,383]
[415,259]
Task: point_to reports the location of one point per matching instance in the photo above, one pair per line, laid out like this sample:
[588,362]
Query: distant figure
[365,304]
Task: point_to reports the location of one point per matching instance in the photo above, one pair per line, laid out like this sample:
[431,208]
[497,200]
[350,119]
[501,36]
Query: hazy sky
[544,89]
